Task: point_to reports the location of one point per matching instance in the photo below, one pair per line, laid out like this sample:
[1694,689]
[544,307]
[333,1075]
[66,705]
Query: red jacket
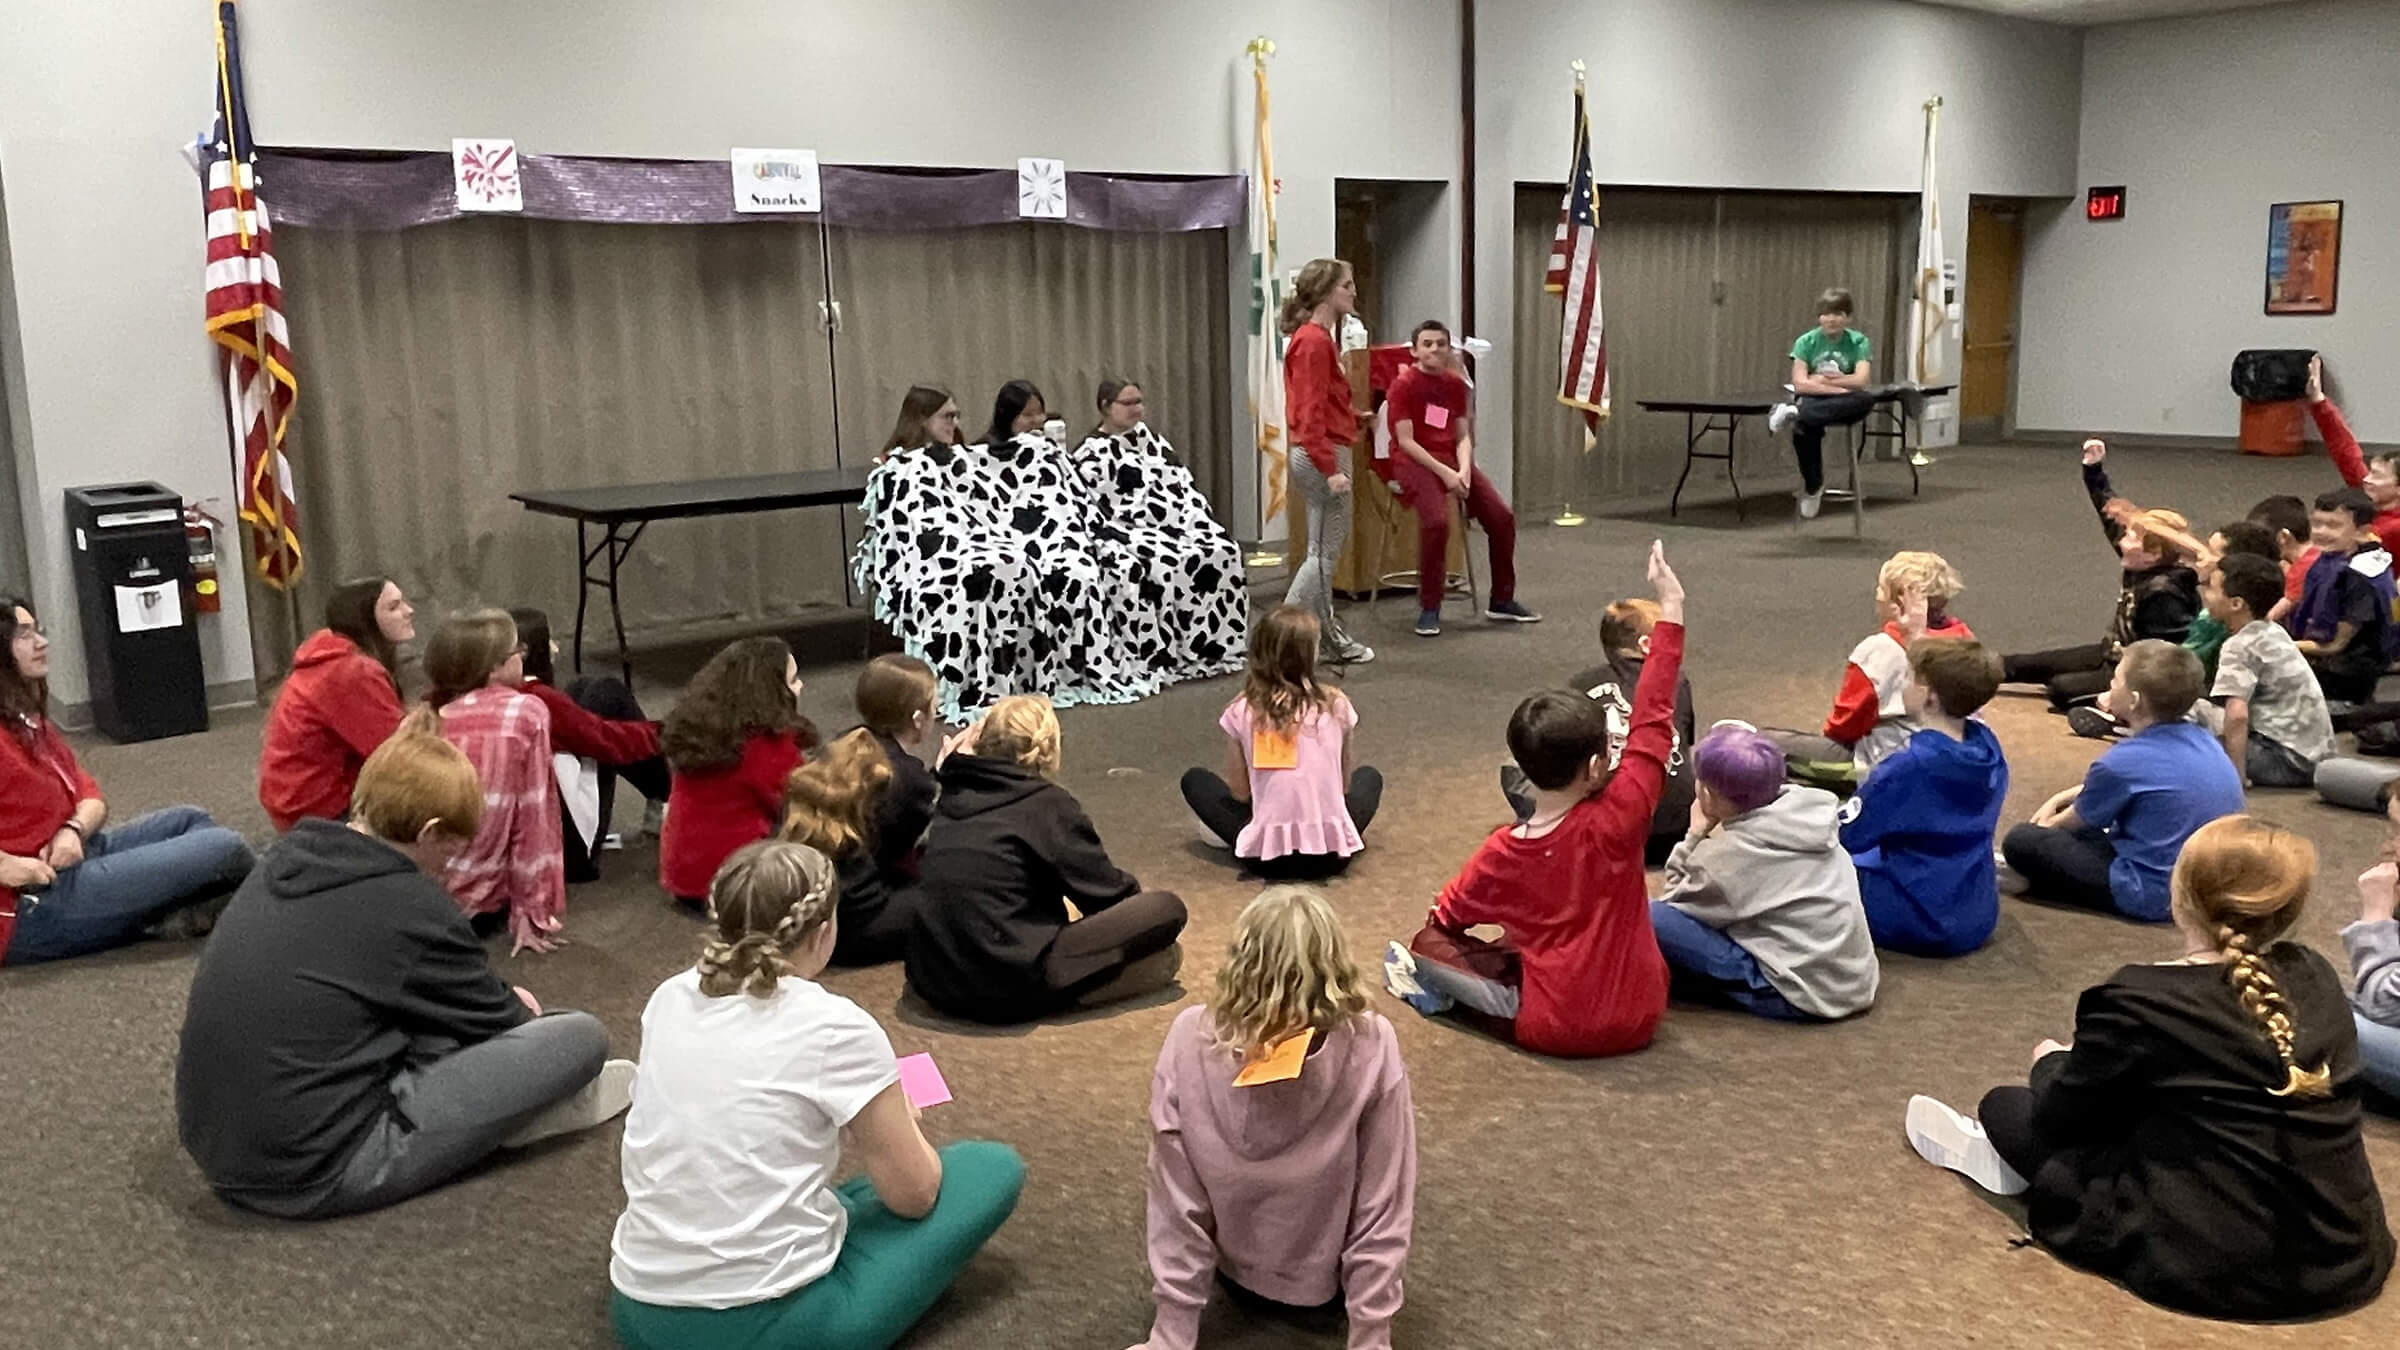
[1574,901]
[713,812]
[1869,695]
[40,785]
[2342,448]
[338,705]
[1316,396]
[577,730]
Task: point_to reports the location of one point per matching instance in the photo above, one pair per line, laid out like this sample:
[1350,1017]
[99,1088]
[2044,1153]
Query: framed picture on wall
[2304,256]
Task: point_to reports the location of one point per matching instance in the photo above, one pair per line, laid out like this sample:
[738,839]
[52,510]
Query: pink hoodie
[1309,1186]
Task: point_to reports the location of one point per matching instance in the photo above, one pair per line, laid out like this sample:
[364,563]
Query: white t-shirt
[733,1141]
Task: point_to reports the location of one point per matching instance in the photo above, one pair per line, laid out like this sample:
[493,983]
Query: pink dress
[1300,809]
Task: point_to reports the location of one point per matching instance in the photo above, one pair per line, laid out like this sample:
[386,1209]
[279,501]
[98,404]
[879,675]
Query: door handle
[829,316]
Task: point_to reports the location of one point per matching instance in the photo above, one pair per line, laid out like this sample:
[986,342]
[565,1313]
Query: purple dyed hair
[1740,765]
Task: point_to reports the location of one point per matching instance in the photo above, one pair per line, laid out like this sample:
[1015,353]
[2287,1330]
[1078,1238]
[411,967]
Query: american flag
[245,317]
[1575,275]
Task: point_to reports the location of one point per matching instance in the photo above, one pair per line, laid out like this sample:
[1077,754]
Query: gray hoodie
[1777,881]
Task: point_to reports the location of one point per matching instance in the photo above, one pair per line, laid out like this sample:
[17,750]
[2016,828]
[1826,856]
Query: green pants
[890,1271]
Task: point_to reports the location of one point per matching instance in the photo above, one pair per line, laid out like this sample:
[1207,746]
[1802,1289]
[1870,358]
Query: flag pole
[1258,50]
[1933,116]
[1568,517]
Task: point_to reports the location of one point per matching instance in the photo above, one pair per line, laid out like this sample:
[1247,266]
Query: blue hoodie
[1920,830]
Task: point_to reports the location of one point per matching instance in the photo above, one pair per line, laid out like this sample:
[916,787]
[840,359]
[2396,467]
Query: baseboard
[230,694]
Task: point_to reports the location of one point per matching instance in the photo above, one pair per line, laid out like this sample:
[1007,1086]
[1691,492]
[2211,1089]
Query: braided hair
[2244,880]
[765,902]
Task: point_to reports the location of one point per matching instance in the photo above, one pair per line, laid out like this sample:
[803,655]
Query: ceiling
[2080,12]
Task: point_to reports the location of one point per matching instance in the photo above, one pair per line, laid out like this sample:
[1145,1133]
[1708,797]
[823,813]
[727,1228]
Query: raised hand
[1665,583]
[2094,450]
[2316,379]
[1913,612]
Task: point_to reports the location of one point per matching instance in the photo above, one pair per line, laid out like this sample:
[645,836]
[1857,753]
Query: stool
[1859,436]
[1452,582]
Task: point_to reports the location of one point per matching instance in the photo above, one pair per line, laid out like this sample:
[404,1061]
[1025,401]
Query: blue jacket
[1920,830]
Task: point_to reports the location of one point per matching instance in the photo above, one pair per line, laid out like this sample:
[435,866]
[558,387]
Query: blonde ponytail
[2245,881]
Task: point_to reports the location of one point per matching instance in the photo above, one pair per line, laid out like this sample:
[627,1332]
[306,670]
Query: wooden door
[1995,251]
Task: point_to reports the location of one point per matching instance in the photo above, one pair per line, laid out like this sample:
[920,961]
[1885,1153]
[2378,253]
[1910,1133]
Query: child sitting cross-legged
[1578,973]
[1869,720]
[1290,800]
[2207,635]
[1761,908]
[2267,708]
[2199,1138]
[2344,619]
[2110,843]
[1920,828]
[1625,629]
[1290,1179]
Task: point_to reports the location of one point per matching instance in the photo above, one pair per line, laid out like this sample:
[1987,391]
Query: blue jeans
[2379,1055]
[1710,964]
[132,875]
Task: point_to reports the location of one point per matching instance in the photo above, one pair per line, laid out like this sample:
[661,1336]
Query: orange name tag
[1277,1063]
[1273,749]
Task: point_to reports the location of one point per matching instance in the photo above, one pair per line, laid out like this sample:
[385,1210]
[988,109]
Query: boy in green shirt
[1832,370]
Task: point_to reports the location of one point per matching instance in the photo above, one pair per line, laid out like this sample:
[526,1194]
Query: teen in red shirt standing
[731,741]
[1431,423]
[1579,972]
[1323,421]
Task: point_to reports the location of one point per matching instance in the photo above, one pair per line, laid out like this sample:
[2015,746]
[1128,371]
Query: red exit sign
[2105,203]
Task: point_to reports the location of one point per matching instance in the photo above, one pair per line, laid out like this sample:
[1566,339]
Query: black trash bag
[2271,374]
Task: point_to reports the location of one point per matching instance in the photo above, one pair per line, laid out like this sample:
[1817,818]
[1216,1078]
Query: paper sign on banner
[486,175]
[1042,189]
[921,1082]
[141,609]
[775,181]
[1278,1062]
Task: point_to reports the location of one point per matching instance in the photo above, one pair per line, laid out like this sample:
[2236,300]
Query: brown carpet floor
[1740,1183]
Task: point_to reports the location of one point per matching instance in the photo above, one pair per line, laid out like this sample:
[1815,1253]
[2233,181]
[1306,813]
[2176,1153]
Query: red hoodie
[2351,462]
[338,705]
[712,812]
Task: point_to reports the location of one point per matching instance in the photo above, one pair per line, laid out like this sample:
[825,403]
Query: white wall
[1759,94]
[103,220]
[2130,325]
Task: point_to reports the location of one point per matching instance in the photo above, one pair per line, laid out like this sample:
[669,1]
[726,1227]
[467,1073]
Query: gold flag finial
[1933,103]
[1260,48]
[1577,67]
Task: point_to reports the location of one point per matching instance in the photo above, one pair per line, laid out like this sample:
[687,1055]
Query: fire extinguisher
[200,536]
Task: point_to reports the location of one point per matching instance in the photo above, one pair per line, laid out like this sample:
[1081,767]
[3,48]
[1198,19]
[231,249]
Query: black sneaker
[1510,612]
[2091,723]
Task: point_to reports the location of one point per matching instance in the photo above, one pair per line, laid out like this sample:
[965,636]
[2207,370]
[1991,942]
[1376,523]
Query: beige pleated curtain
[1704,294]
[446,366]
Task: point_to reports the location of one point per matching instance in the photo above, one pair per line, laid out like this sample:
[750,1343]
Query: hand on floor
[534,935]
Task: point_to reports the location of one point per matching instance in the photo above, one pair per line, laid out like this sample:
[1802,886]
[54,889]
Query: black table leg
[1733,426]
[1675,503]
[618,550]
[583,589]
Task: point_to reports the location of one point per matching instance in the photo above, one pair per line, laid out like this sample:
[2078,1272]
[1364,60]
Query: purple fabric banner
[394,191]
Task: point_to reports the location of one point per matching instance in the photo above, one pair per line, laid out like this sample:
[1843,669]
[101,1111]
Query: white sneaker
[1780,417]
[1811,503]
[2012,881]
[1351,652]
[596,1103]
[1945,1138]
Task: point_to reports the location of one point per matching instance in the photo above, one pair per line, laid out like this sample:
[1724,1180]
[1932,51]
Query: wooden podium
[1383,529]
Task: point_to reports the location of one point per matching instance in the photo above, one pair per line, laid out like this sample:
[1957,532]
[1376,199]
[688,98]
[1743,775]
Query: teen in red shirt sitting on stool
[1427,407]
[1579,973]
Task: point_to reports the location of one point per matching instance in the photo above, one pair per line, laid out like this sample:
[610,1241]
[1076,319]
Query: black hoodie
[1007,849]
[333,957]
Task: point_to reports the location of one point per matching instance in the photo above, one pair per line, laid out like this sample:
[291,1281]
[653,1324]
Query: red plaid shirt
[518,860]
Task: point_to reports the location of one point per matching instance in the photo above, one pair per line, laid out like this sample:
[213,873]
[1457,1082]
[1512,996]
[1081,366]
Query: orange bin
[2272,428]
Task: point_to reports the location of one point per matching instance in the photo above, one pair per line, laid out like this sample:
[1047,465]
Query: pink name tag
[1436,416]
